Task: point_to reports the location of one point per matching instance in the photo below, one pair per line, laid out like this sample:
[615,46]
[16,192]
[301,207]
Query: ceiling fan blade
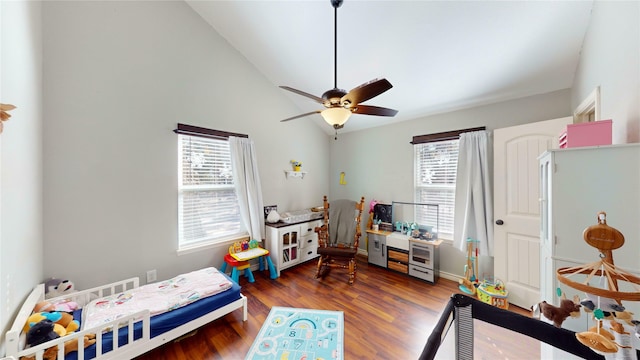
[373,110]
[302,115]
[367,91]
[299,92]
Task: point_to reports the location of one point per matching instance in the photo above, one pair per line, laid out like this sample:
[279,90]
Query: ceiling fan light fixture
[340,104]
[335,115]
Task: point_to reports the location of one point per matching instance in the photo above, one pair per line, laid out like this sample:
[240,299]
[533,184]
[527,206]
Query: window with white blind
[435,182]
[208,210]
[436,163]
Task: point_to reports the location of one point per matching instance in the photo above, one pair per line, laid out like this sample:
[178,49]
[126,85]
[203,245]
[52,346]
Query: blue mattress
[162,323]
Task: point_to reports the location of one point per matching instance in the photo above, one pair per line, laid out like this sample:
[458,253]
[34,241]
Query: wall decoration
[342,180]
[297,165]
[4,116]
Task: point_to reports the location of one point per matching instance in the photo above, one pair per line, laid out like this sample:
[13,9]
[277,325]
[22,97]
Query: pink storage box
[586,134]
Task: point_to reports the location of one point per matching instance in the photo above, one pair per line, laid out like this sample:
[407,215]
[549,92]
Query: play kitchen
[408,247]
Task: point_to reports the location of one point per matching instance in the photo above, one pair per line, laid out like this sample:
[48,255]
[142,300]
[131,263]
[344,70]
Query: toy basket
[493,293]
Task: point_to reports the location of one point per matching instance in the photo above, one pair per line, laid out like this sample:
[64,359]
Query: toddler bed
[170,309]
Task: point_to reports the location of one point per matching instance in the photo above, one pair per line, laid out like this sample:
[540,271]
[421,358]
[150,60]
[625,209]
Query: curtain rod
[204,132]
[442,136]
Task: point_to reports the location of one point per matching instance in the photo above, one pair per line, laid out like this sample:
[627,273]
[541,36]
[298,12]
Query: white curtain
[474,192]
[248,187]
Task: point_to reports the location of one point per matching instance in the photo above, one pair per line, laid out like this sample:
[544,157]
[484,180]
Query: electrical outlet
[151,276]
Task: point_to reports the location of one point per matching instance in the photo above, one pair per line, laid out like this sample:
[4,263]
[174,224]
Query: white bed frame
[16,339]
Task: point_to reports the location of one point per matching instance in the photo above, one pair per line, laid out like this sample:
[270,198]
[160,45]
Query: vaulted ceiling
[438,55]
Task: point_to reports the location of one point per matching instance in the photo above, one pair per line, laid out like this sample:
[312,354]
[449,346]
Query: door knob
[499,222]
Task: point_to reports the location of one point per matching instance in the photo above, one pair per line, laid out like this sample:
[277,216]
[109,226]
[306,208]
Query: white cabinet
[291,244]
[309,241]
[376,247]
[576,184]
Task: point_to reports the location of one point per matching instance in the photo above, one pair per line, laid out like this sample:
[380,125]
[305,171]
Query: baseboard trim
[450,276]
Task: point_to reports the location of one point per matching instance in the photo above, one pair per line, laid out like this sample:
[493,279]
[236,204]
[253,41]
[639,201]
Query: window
[436,163]
[435,182]
[208,211]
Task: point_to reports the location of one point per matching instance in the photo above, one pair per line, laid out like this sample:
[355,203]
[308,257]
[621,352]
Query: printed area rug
[292,333]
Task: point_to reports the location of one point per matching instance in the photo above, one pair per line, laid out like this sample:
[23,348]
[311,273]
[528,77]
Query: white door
[516,206]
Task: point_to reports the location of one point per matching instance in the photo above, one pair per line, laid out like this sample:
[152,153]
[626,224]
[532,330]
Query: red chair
[237,266]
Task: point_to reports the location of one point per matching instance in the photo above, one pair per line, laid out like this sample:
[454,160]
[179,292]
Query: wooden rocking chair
[339,236]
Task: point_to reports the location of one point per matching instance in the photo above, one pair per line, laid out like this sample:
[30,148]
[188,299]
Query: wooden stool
[237,266]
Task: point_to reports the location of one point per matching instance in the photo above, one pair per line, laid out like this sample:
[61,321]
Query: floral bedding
[158,297]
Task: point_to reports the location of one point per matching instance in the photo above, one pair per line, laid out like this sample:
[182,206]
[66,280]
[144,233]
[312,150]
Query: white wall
[378,162]
[610,59]
[20,156]
[118,77]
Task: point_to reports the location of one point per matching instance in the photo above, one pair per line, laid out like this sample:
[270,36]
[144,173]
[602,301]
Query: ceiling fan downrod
[336,4]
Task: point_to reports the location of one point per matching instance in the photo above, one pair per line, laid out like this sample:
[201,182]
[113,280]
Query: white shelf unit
[294,174]
[292,244]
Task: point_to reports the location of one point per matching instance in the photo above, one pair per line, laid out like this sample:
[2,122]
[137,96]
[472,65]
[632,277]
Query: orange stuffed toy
[45,326]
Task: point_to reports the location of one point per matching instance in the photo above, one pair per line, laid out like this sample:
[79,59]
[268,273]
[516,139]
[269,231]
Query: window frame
[184,246]
[420,141]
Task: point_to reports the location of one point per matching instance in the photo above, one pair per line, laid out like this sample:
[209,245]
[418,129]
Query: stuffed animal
[559,314]
[636,325]
[66,306]
[50,284]
[597,342]
[43,331]
[67,322]
[625,316]
[36,318]
[64,323]
[63,287]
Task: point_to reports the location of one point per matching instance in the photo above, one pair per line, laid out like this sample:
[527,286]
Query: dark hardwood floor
[387,316]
